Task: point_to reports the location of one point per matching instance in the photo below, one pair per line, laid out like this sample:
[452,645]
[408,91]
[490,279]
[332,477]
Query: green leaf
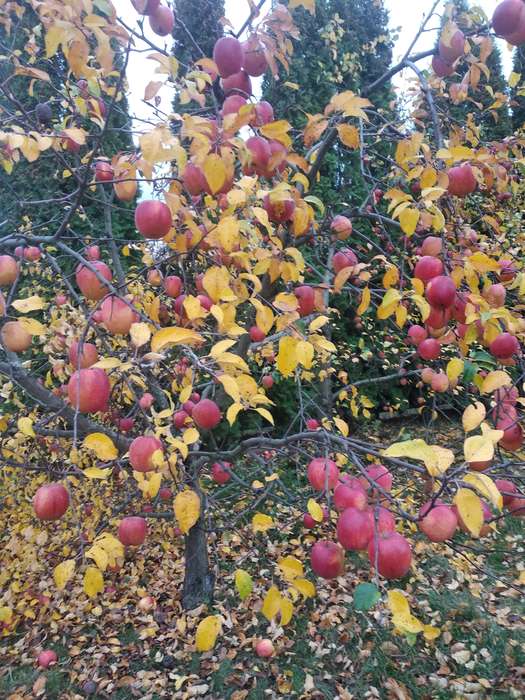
[366,596]
[243,583]
[469,371]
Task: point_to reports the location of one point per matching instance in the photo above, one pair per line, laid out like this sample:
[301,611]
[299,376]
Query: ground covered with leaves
[464,635]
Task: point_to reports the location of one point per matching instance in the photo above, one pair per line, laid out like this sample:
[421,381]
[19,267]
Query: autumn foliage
[158,367]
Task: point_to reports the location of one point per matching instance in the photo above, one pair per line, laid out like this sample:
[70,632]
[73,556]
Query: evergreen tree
[518,92]
[495,124]
[344,46]
[24,192]
[197,29]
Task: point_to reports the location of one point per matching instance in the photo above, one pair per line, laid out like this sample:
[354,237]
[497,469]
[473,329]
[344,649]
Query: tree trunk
[198,577]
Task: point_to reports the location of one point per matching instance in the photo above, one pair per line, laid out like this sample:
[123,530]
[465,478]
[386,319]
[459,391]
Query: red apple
[89,390]
[154,278]
[103,171]
[165,494]
[344,258]
[495,294]
[228,55]
[255,63]
[346,496]
[93,252]
[461,180]
[507,17]
[221,472]
[453,49]
[117,316]
[237,84]
[47,658]
[440,382]
[260,152]
[341,226]
[256,334]
[141,452]
[441,291]
[162,20]
[172,286]
[428,267]
[437,521]
[264,648]
[309,522]
[8,270]
[431,245]
[507,490]
[263,113]
[312,424]
[88,355]
[179,419]
[232,104]
[267,381]
[417,334]
[322,473]
[394,554]
[327,559]
[146,603]
[14,337]
[132,530]
[504,346]
[517,507]
[279,206]
[379,475]
[512,438]
[429,349]
[306,297]
[441,68]
[153,219]
[354,529]
[194,180]
[206,414]
[51,501]
[381,519]
[89,284]
[146,401]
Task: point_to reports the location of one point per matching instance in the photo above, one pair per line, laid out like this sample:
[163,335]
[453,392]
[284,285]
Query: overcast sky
[405,16]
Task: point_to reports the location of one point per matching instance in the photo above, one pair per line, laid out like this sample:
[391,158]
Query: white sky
[404,16]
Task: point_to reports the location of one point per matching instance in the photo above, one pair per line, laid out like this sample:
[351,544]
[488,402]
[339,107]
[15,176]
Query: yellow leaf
[287,358]
[63,573]
[437,459]
[261,522]
[228,232]
[482,263]
[214,172]
[365,302]
[495,380]
[193,308]
[93,581]
[291,568]
[470,509]
[409,219]
[272,604]
[398,603]
[154,482]
[487,488]
[175,336]
[140,334]
[514,79]
[304,352]
[430,633]
[207,633]
[391,277]
[99,556]
[230,387]
[25,426]
[107,363]
[305,587]
[233,412]
[318,323]
[342,426]
[348,135]
[190,436]
[265,413]
[219,348]
[389,304]
[286,610]
[31,326]
[455,368]
[101,445]
[24,306]
[315,510]
[473,416]
[216,283]
[187,506]
[96,473]
[478,448]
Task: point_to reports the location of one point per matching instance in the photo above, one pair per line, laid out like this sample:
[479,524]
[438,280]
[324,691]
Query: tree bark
[199,580]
